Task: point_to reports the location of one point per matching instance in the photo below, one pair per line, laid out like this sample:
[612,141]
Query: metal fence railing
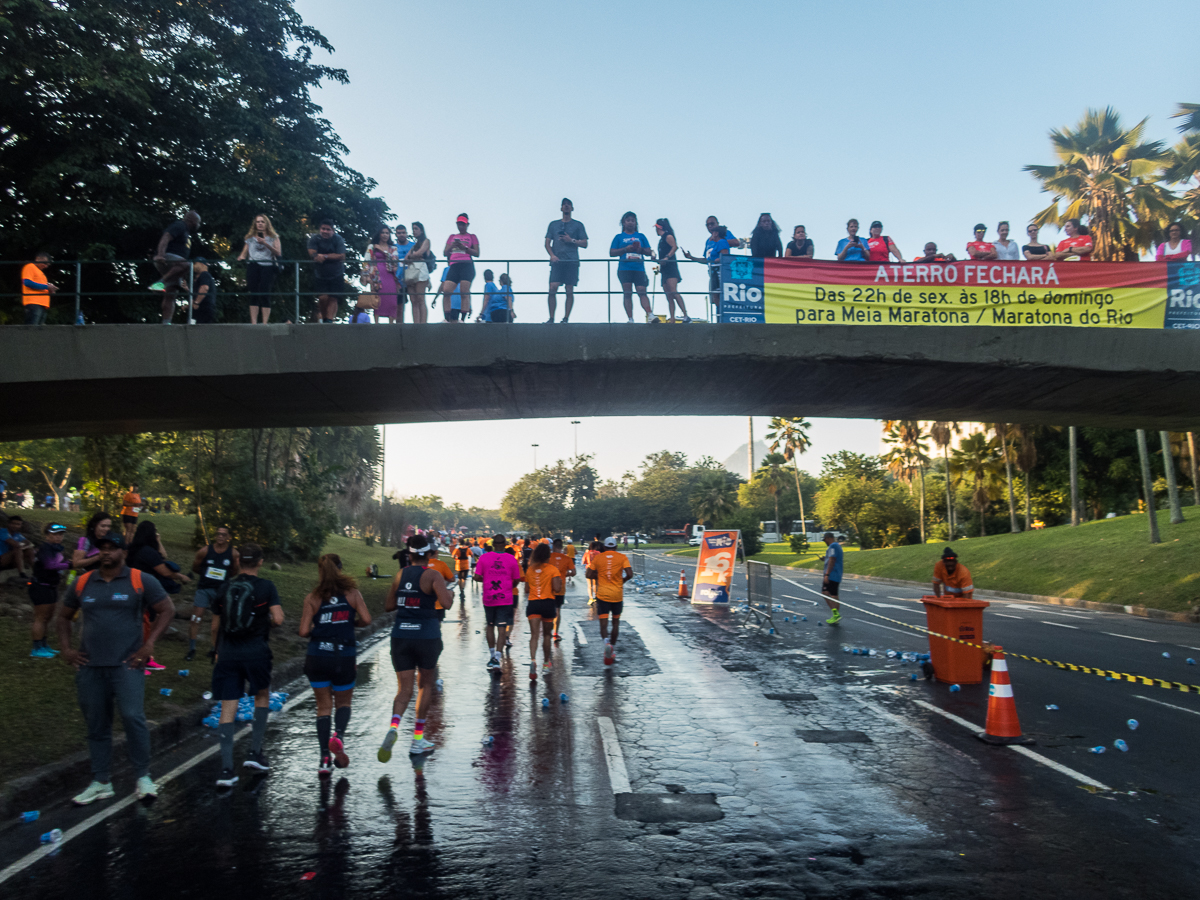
[88,289]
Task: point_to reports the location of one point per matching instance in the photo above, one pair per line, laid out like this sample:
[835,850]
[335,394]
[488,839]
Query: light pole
[534,446]
[575,422]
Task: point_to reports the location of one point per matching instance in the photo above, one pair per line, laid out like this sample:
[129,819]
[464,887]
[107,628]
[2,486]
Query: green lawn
[40,694]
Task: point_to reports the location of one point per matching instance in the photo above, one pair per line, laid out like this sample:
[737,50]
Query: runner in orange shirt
[953,577]
[1076,245]
[566,565]
[444,570]
[131,505]
[543,584]
[462,566]
[588,555]
[610,570]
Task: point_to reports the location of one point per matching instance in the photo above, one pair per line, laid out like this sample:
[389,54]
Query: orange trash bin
[956,663]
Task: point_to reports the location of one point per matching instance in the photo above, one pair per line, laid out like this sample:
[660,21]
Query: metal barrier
[758,578]
[95,282]
[637,559]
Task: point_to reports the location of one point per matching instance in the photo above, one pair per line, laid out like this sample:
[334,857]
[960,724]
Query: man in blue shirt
[15,549]
[633,247]
[851,248]
[832,576]
[713,248]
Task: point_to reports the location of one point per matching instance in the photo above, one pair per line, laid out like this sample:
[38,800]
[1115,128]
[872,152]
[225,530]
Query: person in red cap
[460,250]
[953,577]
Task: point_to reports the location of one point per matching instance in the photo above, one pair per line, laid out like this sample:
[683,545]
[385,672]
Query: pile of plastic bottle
[903,656]
[245,710]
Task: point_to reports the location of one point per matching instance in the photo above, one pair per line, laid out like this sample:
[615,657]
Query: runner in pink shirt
[497,573]
[460,250]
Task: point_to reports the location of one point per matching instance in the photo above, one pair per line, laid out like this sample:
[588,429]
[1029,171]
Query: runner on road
[131,506]
[566,566]
[588,555]
[331,613]
[417,592]
[610,570]
[543,585]
[832,576]
[497,573]
[462,566]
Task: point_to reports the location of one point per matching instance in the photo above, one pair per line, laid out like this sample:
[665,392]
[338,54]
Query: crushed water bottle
[31,816]
[1051,706]
[804,618]
[52,837]
[954,688]
[166,692]
[1133,724]
[1166,655]
[439,683]
[563,698]
[184,673]
[1097,749]
[912,676]
[1190,661]
[488,740]
[1121,745]
[545,703]
[207,695]
[892,654]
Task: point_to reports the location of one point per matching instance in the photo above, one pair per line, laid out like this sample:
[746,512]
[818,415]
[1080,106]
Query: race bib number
[410,626]
[214,574]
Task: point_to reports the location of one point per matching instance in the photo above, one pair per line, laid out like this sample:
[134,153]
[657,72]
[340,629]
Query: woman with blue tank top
[331,613]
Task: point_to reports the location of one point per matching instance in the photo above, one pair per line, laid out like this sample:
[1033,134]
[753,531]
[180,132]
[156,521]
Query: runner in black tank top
[216,567]
[330,615]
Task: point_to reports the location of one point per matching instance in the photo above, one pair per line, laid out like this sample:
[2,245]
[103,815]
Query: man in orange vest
[953,577]
[36,289]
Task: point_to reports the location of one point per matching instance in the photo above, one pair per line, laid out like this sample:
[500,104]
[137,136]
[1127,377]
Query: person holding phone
[564,237]
[261,247]
[851,248]
[460,250]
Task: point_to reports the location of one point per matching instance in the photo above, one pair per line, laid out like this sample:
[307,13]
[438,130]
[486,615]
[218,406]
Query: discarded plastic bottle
[771,631]
[912,676]
[488,740]
[1133,724]
[207,695]
[804,618]
[1190,661]
[52,837]
[545,702]
[439,683]
[1098,749]
[1166,655]
[166,692]
[954,688]
[1121,745]
[31,816]
[184,673]
[563,698]
[1051,706]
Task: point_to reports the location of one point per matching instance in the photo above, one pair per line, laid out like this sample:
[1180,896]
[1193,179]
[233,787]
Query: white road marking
[1171,705]
[888,627]
[868,593]
[579,632]
[894,606]
[1024,751]
[1130,636]
[618,777]
[1062,625]
[907,599]
[801,599]
[913,729]
[1003,616]
[1046,612]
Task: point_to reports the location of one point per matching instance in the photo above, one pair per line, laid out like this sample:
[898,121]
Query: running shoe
[686,320]
[154,665]
[420,745]
[609,653]
[835,618]
[338,749]
[629,322]
[227,778]
[257,761]
[389,741]
[557,638]
[565,321]
[507,644]
[533,671]
[545,668]
[190,655]
[157,286]
[325,768]
[493,663]
[146,788]
[42,653]
[97,790]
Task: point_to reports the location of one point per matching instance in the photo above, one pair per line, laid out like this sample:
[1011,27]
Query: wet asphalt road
[728,794]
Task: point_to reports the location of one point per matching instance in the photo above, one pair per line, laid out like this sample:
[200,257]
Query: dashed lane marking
[894,606]
[618,776]
[1003,616]
[801,599]
[907,599]
[1046,612]
[1129,636]
[581,635]
[1061,625]
[1024,751]
[1171,705]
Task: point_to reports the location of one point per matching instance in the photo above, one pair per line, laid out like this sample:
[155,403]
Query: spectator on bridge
[953,577]
[764,239]
[932,255]
[1006,249]
[36,289]
[327,249]
[110,663]
[564,237]
[460,250]
[171,260]
[262,248]
[979,248]
[1077,245]
[668,268]
[382,260]
[1035,250]
[403,244]
[456,308]
[498,302]
[1176,248]
[800,246]
[851,248]
[880,247]
[714,276]
[204,293]
[632,247]
[417,266]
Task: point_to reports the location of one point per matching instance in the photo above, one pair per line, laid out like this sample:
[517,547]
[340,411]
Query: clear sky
[920,115]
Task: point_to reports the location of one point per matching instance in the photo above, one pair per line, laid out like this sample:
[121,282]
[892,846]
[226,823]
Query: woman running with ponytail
[331,613]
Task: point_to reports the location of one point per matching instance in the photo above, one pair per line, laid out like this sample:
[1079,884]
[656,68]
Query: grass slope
[39,694]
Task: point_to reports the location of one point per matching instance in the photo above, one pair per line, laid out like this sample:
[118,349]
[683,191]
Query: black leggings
[260,280]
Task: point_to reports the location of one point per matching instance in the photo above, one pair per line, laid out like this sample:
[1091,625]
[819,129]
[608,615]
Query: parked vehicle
[770,532]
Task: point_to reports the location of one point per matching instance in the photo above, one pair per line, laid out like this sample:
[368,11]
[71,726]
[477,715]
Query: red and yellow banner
[714,566]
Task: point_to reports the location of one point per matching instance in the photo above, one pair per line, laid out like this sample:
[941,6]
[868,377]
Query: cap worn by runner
[55,528]
[113,538]
[610,542]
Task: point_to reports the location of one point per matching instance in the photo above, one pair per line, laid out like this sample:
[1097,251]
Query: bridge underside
[59,381]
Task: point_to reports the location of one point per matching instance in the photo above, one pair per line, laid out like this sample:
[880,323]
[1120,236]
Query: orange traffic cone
[683,588]
[1002,726]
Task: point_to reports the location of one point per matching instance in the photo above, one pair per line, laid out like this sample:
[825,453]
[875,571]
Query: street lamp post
[575,422]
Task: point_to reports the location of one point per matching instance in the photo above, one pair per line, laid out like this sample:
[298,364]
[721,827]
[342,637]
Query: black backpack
[238,607]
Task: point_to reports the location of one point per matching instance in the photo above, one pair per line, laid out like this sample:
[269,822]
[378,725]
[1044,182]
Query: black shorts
[669,270]
[462,574]
[455,314]
[637,279]
[415,653]
[499,615]
[714,279]
[547,609]
[129,520]
[42,594]
[560,599]
[337,672]
[605,608]
[230,677]
[499,315]
[460,271]
[565,271]
[830,587]
[334,286]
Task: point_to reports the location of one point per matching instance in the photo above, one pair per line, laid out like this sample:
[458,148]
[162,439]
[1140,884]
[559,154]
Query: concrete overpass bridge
[59,381]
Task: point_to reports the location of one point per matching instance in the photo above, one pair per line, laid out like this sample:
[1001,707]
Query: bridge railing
[107,290]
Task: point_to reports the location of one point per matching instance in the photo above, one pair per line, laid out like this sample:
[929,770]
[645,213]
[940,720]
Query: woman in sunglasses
[1035,250]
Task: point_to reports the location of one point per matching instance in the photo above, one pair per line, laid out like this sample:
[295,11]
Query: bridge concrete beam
[60,381]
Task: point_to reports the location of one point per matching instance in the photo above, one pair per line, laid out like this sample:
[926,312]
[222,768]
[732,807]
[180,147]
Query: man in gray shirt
[110,663]
[564,237]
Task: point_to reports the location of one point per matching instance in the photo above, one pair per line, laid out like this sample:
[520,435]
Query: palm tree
[773,478]
[715,497]
[1002,433]
[1107,174]
[791,434]
[978,459]
[1182,164]
[908,457]
[943,434]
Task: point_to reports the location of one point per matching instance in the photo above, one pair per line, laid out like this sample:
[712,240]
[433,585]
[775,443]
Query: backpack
[135,575]
[238,607]
[430,261]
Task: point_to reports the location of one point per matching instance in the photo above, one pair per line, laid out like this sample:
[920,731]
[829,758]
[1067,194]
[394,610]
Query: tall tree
[1148,486]
[943,434]
[1107,174]
[908,457]
[1004,435]
[1182,166]
[714,497]
[978,459]
[790,436]
[771,474]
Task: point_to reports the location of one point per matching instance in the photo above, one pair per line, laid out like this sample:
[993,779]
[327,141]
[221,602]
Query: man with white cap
[610,569]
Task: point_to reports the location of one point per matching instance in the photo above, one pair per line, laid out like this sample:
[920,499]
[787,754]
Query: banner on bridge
[992,292]
[714,566]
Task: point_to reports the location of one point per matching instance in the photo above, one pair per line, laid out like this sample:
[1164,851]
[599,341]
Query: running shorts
[335,286]
[669,269]
[129,520]
[43,594]
[546,609]
[499,615]
[605,608]
[415,653]
[637,279]
[337,672]
[560,599]
[230,677]
[830,587]
[204,597]
[462,574]
[461,271]
[565,271]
